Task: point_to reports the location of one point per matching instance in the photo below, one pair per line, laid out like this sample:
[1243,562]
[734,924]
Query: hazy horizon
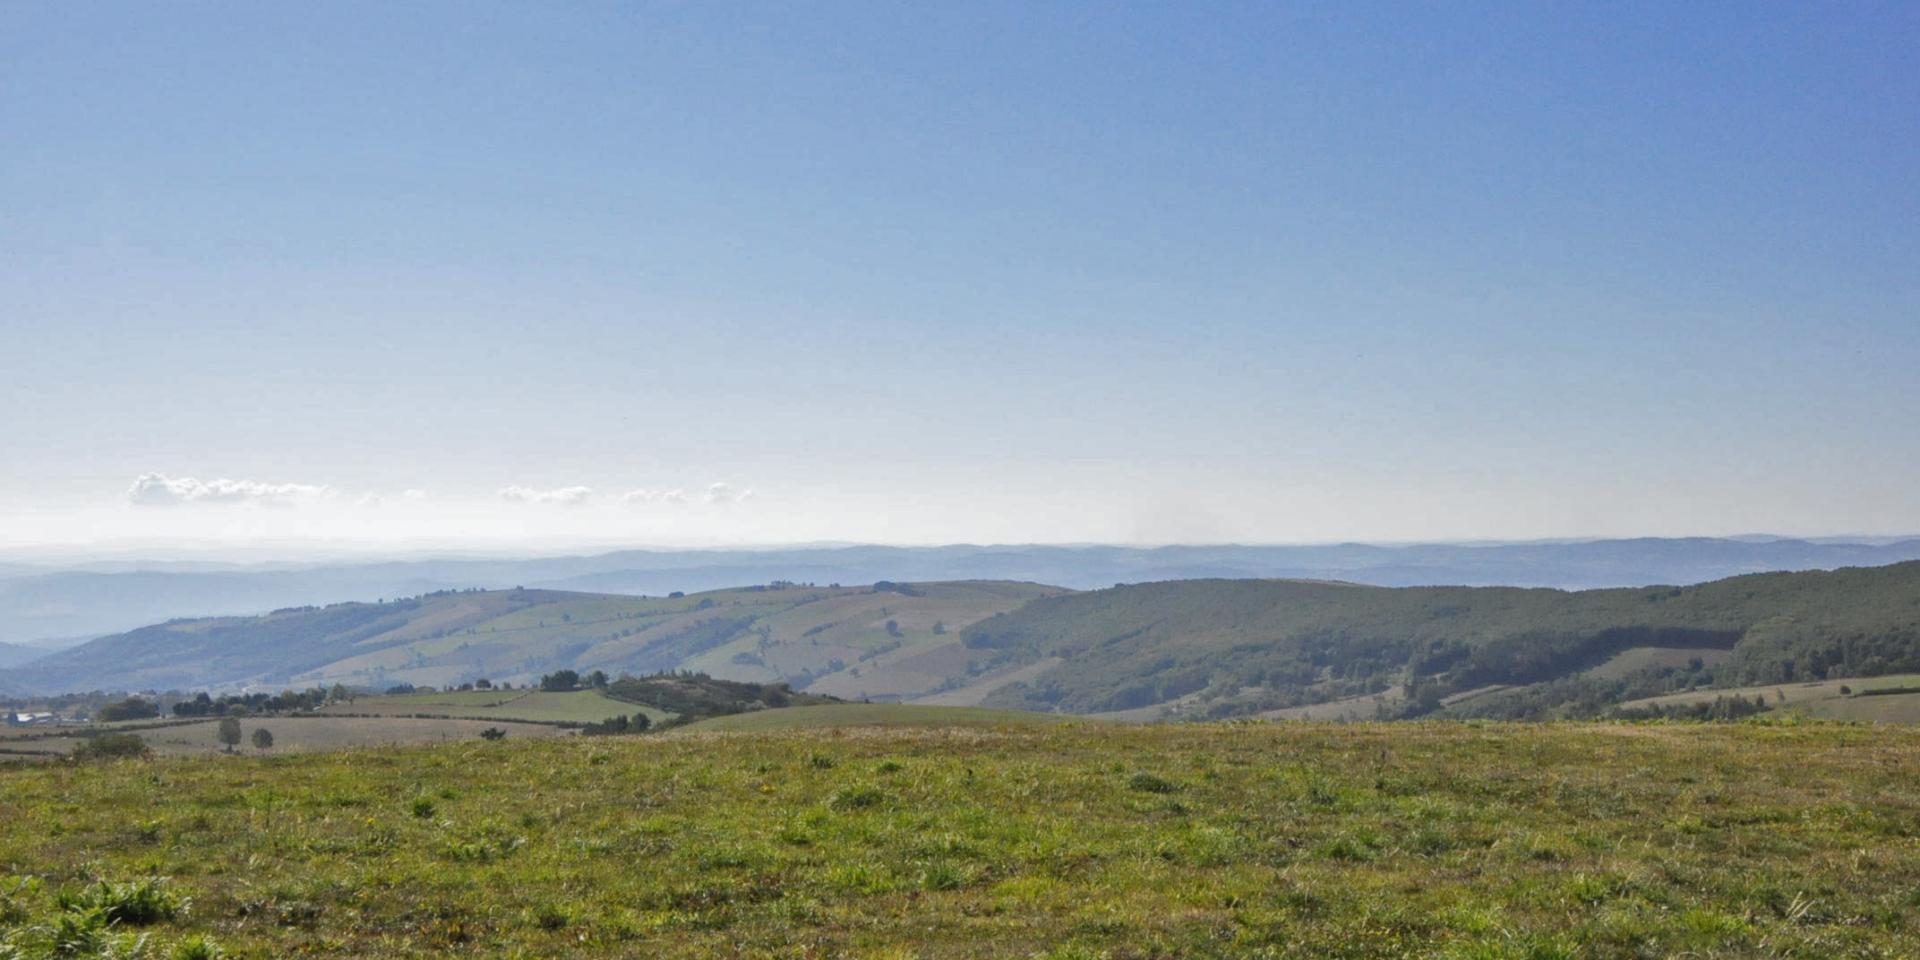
[134,554]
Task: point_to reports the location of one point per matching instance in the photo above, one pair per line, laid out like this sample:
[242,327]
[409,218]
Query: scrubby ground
[1072,840]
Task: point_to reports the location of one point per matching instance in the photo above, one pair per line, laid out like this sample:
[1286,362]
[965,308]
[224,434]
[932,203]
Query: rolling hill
[1223,648]
[894,641]
[14,655]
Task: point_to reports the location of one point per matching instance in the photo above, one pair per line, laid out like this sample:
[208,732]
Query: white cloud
[722,493]
[641,496]
[159,490]
[674,496]
[565,495]
[413,495]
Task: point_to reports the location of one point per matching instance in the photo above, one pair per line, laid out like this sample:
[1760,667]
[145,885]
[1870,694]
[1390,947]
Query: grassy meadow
[1460,840]
[291,734]
[872,715]
[1894,698]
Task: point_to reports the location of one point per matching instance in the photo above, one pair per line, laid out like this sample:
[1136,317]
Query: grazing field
[1448,840]
[1892,708]
[1635,659]
[299,734]
[1834,699]
[534,706]
[291,734]
[1365,707]
[874,715]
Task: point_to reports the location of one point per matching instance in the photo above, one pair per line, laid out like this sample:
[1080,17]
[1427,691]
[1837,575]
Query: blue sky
[921,273]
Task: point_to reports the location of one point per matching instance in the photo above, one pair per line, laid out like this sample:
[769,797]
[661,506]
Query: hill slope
[13,654]
[1216,648]
[845,641]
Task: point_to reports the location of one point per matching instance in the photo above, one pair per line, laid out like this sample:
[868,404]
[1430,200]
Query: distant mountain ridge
[36,605]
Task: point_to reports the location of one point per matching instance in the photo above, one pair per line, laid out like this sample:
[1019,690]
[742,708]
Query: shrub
[112,746]
[197,948]
[135,903]
[859,797]
[1149,783]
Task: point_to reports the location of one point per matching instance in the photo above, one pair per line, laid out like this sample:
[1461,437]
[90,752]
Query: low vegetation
[1477,840]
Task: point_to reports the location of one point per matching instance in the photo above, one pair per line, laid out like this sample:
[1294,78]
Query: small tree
[939,627]
[597,679]
[493,733]
[560,680]
[893,628]
[262,738]
[229,732]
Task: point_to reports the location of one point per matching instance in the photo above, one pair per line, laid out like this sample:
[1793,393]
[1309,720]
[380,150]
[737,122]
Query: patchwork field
[1642,658]
[536,706]
[1070,840]
[874,715]
[291,734]
[1835,699]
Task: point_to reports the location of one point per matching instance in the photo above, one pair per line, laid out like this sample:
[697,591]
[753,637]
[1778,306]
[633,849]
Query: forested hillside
[1220,647]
